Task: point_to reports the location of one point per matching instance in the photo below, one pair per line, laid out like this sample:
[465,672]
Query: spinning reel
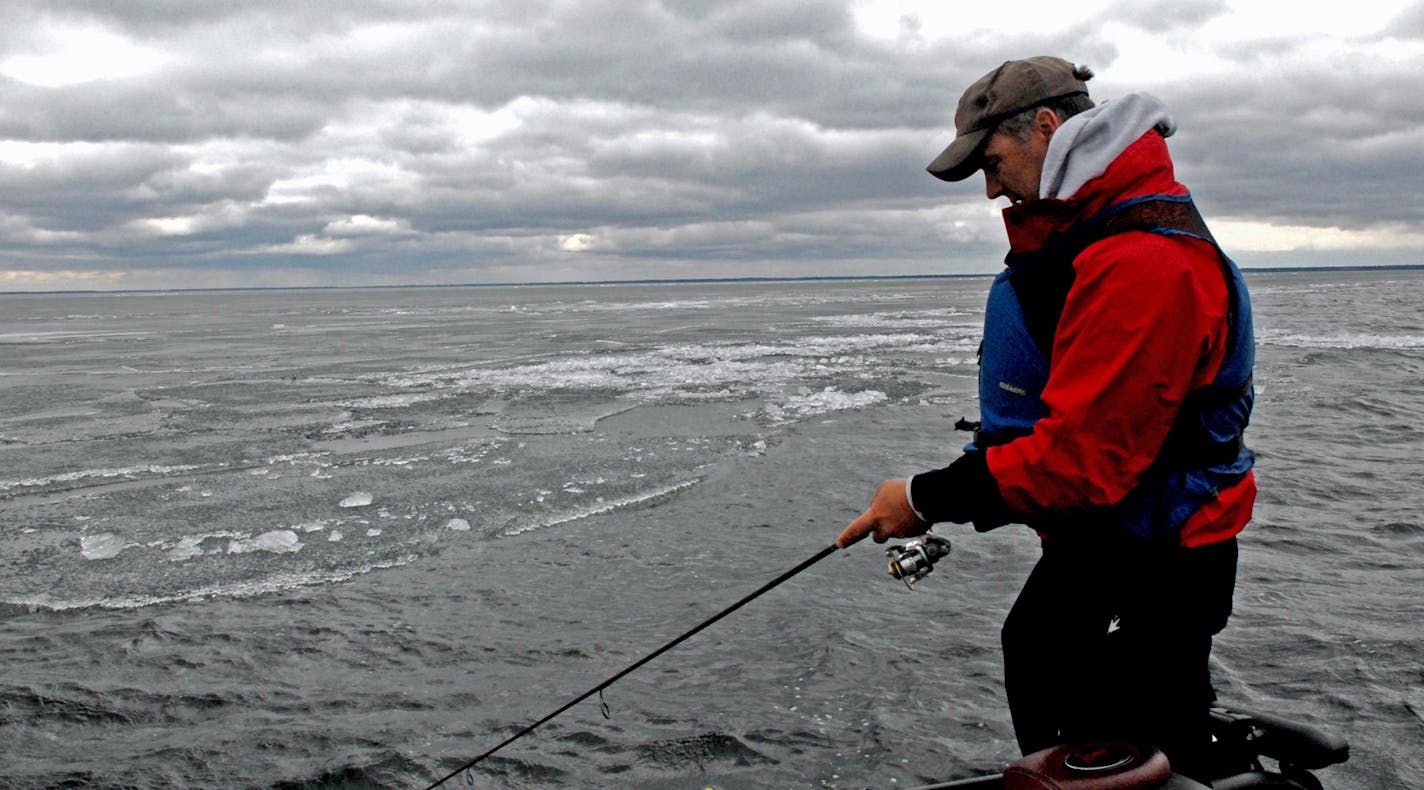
[912,561]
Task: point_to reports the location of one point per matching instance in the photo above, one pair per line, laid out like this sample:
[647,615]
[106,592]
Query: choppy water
[353,538]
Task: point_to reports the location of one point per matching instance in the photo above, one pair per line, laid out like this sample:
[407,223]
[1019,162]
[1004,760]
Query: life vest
[1204,450]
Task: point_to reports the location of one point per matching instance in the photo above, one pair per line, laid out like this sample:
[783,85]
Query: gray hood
[1087,143]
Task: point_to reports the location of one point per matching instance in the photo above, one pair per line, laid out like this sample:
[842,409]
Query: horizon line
[653,281]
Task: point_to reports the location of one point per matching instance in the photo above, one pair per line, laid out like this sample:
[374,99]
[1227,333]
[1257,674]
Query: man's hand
[889,516]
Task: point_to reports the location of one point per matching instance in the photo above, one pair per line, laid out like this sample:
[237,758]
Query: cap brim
[962,158]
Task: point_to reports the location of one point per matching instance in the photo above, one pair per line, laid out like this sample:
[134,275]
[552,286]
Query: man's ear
[1046,122]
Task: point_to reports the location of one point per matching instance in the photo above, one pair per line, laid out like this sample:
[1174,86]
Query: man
[1115,384]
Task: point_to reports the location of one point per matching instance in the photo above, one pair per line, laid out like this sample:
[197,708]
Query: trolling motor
[912,561]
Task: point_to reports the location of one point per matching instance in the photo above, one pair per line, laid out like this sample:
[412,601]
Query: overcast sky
[187,143]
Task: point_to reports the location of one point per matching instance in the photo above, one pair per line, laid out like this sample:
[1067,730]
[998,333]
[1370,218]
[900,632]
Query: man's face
[1012,167]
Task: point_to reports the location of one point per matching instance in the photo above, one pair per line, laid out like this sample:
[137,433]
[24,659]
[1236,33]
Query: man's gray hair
[1020,126]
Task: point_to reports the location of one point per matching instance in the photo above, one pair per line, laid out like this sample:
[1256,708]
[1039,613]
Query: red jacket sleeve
[1144,322]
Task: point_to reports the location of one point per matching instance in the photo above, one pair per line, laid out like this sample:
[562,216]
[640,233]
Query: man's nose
[992,187]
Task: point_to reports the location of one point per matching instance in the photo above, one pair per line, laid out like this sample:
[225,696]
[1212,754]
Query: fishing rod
[822,554]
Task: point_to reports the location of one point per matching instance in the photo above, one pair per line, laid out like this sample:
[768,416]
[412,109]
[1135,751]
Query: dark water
[354,538]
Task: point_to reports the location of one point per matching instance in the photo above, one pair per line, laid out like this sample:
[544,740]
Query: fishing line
[603,706]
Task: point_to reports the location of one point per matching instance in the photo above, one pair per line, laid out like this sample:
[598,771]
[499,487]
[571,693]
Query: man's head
[1005,119]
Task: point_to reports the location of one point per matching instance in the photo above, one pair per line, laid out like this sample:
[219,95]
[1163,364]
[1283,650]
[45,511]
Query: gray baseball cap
[1016,86]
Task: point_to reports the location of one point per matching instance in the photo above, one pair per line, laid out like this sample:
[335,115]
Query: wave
[1342,341]
[781,373]
[643,499]
[281,582]
[128,473]
[700,750]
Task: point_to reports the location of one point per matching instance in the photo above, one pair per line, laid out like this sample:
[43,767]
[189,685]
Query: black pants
[1110,640]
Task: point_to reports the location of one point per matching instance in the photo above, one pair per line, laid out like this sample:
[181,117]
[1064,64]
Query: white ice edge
[606,507]
[247,589]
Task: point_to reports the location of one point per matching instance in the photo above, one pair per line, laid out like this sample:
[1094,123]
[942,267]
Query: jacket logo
[1004,385]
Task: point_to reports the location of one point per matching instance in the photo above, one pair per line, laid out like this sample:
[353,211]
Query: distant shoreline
[665,281]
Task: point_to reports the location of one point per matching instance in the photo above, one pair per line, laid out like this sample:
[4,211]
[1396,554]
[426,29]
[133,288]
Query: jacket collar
[1143,168]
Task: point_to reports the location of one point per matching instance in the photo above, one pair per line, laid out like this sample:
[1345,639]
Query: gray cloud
[1409,23]
[376,141]
[1168,16]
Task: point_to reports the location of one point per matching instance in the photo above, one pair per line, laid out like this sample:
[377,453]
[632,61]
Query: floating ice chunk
[395,401]
[189,546]
[358,499]
[458,525]
[278,541]
[334,536]
[828,400]
[371,533]
[102,547]
[88,474]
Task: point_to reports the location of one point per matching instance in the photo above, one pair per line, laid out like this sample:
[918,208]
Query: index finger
[855,532]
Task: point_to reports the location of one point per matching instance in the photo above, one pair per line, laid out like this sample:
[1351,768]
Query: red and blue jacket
[1115,378]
